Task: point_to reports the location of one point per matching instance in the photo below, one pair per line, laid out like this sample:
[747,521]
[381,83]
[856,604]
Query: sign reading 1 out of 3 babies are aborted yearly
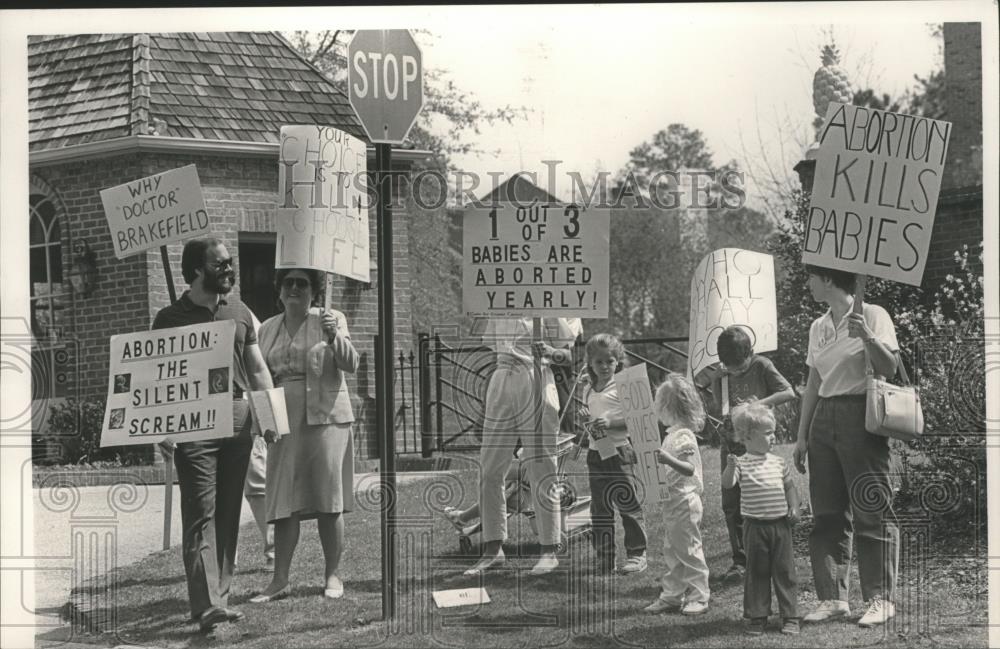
[170,384]
[537,260]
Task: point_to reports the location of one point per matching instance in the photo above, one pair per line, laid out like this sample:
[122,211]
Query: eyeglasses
[222,263]
[295,282]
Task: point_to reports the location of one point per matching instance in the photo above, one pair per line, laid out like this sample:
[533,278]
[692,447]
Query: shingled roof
[235,86]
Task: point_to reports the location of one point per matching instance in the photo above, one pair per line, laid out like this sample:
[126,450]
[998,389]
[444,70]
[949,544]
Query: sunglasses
[295,282]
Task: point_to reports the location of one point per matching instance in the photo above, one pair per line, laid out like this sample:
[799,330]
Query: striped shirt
[762,485]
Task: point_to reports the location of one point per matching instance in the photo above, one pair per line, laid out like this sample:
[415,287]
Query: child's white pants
[510,408]
[687,572]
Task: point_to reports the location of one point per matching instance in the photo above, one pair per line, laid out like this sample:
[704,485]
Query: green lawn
[942,592]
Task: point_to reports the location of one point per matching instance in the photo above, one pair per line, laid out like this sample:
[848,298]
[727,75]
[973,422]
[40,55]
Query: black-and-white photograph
[551,325]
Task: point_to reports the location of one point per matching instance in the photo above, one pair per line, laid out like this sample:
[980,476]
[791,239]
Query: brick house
[105,109]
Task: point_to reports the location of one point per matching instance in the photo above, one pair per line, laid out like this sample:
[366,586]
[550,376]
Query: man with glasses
[211,472]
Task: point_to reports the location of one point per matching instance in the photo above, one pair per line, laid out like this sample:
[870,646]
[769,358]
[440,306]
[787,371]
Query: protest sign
[538,260]
[731,286]
[152,212]
[636,398]
[172,384]
[322,214]
[875,192]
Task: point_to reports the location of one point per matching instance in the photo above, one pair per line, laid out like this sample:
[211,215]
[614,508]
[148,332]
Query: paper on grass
[460,597]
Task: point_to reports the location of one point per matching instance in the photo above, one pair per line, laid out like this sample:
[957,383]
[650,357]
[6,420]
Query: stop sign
[385,82]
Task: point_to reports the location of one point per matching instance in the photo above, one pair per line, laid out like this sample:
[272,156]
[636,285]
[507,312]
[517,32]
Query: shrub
[76,426]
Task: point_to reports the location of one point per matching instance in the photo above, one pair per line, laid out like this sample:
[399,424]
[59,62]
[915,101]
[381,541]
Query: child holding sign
[746,377]
[610,461]
[685,585]
[770,508]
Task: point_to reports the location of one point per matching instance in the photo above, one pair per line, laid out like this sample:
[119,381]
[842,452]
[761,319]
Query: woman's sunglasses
[295,282]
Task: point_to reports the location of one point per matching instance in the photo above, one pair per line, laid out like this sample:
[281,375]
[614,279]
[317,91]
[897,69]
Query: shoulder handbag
[892,410]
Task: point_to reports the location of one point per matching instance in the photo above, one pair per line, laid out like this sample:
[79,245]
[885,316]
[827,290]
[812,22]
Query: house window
[49,302]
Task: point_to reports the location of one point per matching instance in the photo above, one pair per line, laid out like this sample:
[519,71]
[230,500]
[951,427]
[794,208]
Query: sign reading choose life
[537,260]
[322,215]
[170,384]
[877,179]
[152,212]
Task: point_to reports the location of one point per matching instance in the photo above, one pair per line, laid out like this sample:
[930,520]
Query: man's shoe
[790,626]
[828,609]
[211,618]
[546,564]
[232,615]
[634,564]
[661,605]
[695,608]
[734,575]
[879,612]
[756,626]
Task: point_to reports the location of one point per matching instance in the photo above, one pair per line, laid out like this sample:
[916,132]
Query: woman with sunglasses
[310,472]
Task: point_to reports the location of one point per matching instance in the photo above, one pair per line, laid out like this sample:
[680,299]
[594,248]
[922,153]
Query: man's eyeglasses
[222,263]
[295,282]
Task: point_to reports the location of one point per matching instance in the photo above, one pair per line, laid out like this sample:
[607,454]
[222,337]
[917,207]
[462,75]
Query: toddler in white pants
[684,587]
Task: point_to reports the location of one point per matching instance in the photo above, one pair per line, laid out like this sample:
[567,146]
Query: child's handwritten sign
[731,287]
[878,175]
[636,400]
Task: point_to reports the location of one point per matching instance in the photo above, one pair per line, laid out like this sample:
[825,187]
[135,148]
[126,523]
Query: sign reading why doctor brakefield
[322,215]
[151,212]
[538,260]
[875,192]
[170,384]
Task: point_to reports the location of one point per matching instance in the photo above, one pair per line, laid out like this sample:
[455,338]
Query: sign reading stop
[385,82]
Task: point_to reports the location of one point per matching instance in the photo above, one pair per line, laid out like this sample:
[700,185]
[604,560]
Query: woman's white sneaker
[879,612]
[828,609]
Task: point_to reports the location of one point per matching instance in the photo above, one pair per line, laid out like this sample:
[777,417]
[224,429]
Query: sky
[600,84]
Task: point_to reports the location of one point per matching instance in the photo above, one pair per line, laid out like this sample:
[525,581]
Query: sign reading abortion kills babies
[154,211]
[636,400]
[875,192]
[539,260]
[170,384]
[322,216]
[731,287]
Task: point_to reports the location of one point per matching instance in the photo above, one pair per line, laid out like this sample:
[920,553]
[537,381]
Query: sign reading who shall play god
[538,260]
[152,212]
[322,215]
[170,384]
[878,175]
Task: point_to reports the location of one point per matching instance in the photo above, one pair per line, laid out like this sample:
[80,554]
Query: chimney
[964,104]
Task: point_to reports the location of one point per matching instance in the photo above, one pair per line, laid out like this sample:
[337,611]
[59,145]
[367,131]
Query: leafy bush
[76,426]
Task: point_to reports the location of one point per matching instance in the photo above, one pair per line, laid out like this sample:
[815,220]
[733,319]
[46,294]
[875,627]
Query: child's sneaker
[879,612]
[454,517]
[695,608]
[790,626]
[634,564]
[827,610]
[756,626]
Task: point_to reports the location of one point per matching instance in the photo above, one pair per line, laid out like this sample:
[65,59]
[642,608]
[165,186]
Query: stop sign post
[386,89]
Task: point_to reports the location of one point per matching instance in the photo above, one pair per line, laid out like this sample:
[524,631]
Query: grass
[942,598]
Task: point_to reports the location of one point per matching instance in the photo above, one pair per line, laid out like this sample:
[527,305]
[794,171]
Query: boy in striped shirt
[769,506]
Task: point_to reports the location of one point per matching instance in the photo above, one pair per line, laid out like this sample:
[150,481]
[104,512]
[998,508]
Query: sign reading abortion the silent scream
[322,215]
[731,286]
[170,383]
[875,192]
[152,212]
[636,398]
[538,260]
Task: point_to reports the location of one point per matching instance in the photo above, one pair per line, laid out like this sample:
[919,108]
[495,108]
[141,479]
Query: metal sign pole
[383,390]
[168,460]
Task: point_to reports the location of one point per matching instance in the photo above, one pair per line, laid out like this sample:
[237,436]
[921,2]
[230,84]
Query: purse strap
[900,367]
